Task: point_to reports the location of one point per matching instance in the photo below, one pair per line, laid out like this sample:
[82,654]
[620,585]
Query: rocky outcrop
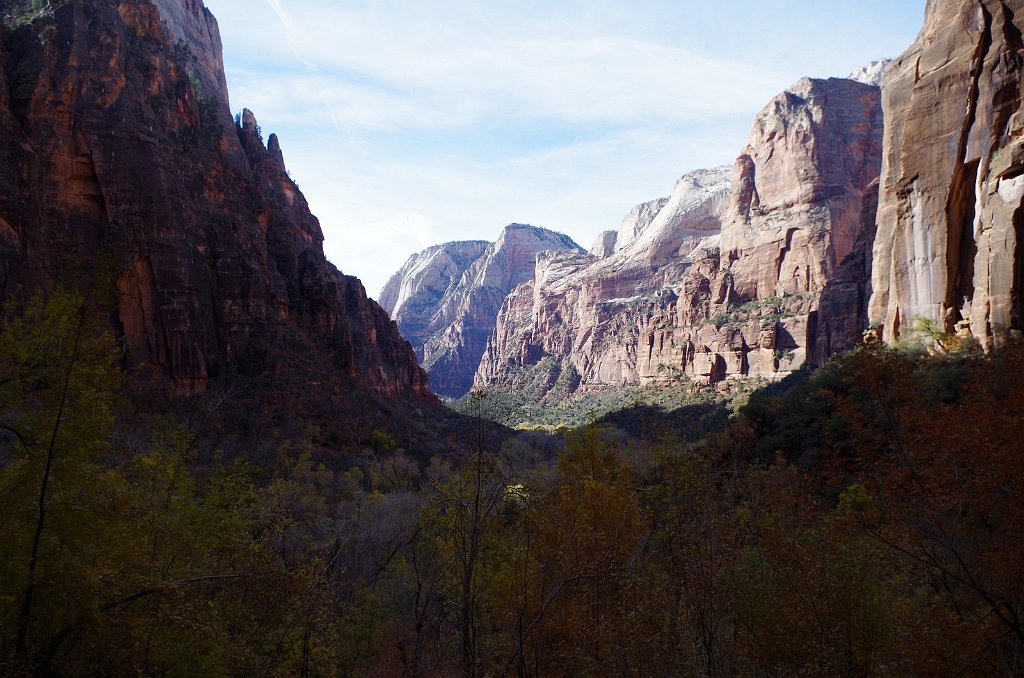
[121,162]
[950,221]
[604,244]
[724,280]
[637,221]
[446,300]
[800,187]
[413,296]
[196,38]
[691,214]
[872,74]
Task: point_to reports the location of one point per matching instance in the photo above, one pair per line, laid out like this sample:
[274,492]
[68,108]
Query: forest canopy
[863,519]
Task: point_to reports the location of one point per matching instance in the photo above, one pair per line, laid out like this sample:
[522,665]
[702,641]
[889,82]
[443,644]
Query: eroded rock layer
[120,161]
[950,223]
[723,278]
[446,298]
[413,296]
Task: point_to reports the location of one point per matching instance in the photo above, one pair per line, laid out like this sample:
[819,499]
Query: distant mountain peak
[872,73]
[445,299]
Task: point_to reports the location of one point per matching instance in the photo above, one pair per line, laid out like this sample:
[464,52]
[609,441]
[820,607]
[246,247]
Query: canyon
[218,456]
[721,280]
[889,200]
[851,206]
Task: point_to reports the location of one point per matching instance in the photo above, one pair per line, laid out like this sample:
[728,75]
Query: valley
[768,426]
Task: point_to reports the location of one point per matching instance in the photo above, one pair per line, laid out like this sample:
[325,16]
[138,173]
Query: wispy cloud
[410,122]
[295,36]
[411,72]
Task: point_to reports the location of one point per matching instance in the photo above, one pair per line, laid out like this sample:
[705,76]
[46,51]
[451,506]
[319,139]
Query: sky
[408,123]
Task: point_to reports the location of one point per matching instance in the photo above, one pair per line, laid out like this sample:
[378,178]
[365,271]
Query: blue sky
[409,123]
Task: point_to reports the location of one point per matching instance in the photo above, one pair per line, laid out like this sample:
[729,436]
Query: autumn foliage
[863,520]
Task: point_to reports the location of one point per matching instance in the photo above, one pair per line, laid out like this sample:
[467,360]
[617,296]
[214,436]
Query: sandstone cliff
[604,244]
[590,312]
[445,299]
[413,296]
[723,278]
[950,221]
[637,221]
[121,160]
[800,187]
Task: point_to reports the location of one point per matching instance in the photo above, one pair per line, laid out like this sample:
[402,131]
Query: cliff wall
[950,225]
[121,162]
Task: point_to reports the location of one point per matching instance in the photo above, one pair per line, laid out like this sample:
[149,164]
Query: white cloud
[408,123]
[401,71]
[295,37]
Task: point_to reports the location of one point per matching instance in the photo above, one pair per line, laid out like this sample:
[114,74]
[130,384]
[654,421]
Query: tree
[115,559]
[586,558]
[57,385]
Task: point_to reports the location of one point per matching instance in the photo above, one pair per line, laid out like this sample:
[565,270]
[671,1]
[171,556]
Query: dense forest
[862,519]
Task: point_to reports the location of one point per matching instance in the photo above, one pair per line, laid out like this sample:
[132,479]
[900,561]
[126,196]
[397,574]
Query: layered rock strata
[724,280]
[413,296]
[950,242]
[121,161]
[446,299]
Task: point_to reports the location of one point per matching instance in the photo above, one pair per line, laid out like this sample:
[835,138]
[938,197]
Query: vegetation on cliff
[545,397]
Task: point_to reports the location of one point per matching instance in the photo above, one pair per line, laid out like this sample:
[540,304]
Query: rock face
[950,242]
[800,186]
[692,213]
[413,295]
[723,278]
[872,73]
[637,221]
[120,160]
[446,298]
[604,244]
[592,313]
[843,304]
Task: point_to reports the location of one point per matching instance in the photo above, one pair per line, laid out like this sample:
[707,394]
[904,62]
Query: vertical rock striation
[843,305]
[121,161]
[950,223]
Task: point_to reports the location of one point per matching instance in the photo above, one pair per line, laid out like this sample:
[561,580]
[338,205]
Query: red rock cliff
[120,158]
[950,244]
